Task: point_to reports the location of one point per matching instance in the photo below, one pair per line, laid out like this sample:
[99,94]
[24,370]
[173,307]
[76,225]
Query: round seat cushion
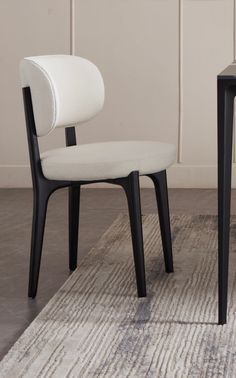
[106,160]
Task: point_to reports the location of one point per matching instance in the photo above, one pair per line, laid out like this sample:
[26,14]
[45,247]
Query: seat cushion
[108,160]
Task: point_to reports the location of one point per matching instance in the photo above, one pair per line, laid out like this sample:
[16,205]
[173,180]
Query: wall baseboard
[179,176]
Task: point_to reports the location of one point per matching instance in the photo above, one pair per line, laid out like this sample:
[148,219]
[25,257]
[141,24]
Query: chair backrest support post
[70,136]
[35,162]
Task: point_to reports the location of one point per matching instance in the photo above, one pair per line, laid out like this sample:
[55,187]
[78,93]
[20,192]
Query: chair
[66,91]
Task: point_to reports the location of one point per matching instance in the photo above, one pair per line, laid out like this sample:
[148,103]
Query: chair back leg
[132,190]
[74,205]
[38,225]
[160,182]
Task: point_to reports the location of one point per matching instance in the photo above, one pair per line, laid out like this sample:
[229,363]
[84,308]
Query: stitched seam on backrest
[44,72]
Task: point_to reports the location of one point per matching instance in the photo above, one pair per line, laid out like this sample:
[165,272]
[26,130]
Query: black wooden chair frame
[43,188]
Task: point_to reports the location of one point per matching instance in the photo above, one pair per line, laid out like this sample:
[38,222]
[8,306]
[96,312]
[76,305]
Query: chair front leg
[38,224]
[132,190]
[74,205]
[160,182]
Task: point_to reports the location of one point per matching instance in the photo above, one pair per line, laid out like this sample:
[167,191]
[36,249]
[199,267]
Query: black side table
[226,91]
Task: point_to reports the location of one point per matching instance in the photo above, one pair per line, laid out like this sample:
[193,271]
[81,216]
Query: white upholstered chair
[66,91]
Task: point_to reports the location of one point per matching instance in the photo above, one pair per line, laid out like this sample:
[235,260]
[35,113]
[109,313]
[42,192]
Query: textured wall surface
[159,59]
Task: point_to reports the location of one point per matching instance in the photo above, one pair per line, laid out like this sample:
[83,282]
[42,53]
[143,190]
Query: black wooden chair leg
[74,204]
[132,190]
[38,225]
[160,182]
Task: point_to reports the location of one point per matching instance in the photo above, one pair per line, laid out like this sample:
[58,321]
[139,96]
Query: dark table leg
[225,133]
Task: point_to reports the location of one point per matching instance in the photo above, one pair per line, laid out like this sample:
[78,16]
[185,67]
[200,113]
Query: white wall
[159,59]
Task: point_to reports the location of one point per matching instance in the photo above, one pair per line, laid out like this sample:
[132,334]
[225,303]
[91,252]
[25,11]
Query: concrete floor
[99,207]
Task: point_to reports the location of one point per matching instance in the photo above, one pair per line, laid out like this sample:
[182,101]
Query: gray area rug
[95,326]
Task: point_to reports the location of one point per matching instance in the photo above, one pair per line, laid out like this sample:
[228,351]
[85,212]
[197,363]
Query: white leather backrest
[66,90]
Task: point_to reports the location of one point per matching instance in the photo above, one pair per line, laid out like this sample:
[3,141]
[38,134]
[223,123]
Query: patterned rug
[95,326]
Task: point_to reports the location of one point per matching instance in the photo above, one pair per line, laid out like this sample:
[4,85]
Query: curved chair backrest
[66,90]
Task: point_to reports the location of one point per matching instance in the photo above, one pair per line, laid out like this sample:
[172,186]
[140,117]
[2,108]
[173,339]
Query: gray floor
[99,207]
